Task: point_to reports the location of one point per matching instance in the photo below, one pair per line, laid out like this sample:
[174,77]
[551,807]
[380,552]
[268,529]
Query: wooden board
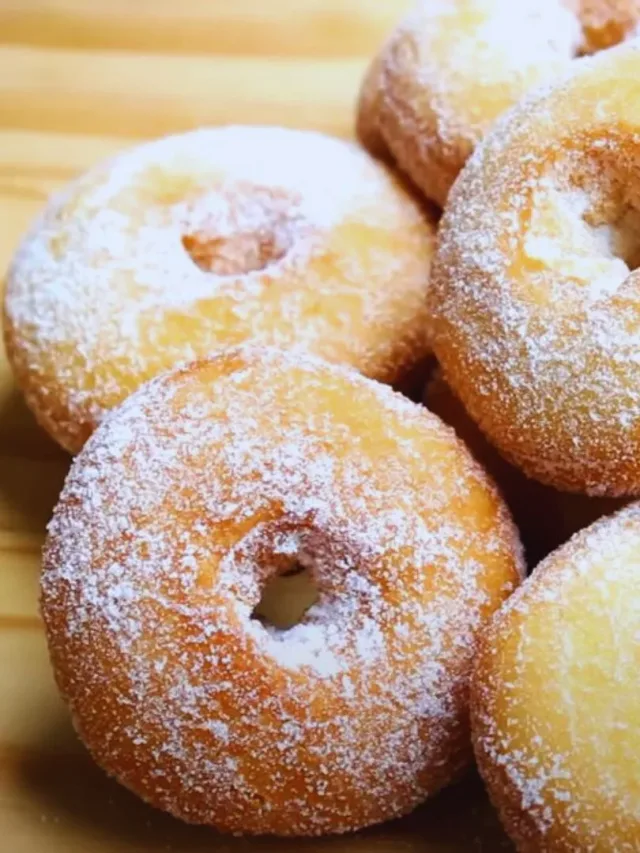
[80,79]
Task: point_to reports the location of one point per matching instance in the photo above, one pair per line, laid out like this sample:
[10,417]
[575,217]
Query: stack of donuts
[218,324]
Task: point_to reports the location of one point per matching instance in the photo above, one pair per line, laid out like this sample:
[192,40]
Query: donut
[453,66]
[554,697]
[210,239]
[535,312]
[367,129]
[545,517]
[606,23]
[203,484]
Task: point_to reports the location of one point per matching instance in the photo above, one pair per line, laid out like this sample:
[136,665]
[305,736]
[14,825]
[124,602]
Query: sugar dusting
[534,305]
[510,48]
[451,68]
[207,239]
[169,524]
[545,517]
[539,781]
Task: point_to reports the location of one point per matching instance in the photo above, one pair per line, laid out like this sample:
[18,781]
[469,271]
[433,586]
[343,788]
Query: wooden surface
[80,79]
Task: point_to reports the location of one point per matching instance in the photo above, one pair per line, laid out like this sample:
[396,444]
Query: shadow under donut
[32,469]
[77,800]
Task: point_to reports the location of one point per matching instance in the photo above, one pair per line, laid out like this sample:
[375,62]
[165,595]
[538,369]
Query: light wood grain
[149,94]
[306,28]
[79,80]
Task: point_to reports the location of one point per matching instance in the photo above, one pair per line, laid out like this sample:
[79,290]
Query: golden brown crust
[545,517]
[191,494]
[211,239]
[606,23]
[454,66]
[367,111]
[533,303]
[554,701]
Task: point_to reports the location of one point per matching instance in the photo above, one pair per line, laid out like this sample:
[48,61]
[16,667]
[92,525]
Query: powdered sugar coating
[183,502]
[453,67]
[534,304]
[208,239]
[555,697]
[545,517]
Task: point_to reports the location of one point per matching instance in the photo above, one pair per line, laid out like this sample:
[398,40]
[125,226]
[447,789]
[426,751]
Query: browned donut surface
[545,517]
[555,703]
[535,303]
[452,67]
[197,489]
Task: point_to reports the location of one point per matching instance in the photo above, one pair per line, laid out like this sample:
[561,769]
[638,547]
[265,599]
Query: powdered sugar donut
[205,240]
[536,314]
[453,66]
[188,497]
[555,697]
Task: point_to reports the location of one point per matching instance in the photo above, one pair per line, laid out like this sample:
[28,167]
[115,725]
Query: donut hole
[609,210]
[585,223]
[286,597]
[237,254]
[241,231]
[607,225]
[618,238]
[301,590]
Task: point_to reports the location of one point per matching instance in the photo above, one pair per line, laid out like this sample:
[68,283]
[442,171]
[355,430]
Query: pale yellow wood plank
[16,213]
[19,600]
[20,436]
[53,155]
[20,564]
[148,95]
[277,27]
[29,696]
[20,542]
[29,490]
